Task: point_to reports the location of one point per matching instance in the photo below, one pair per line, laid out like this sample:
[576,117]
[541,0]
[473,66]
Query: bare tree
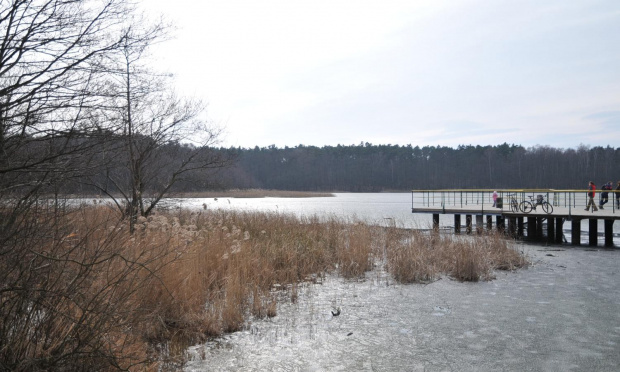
[52,314]
[50,73]
[48,58]
[158,136]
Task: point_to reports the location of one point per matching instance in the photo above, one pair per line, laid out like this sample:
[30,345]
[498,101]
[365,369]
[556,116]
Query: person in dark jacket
[618,196]
[604,194]
[591,194]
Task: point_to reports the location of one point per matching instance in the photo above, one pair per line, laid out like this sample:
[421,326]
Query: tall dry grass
[100,298]
[70,297]
[422,256]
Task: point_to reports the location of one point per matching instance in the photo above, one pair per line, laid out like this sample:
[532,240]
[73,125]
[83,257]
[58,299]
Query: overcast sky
[424,72]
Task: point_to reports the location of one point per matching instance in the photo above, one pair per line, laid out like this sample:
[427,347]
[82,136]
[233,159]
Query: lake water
[560,314]
[372,207]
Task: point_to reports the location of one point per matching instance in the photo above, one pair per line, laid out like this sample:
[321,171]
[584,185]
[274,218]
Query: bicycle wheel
[547,207]
[525,206]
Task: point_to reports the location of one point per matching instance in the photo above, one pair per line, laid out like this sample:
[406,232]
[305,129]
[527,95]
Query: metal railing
[482,199]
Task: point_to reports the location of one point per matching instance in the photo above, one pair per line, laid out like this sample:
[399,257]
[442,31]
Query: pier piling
[479,224]
[575,231]
[551,230]
[559,222]
[512,227]
[531,228]
[539,228]
[593,231]
[609,233]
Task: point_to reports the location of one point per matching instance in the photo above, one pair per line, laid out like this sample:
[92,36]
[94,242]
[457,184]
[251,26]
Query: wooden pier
[468,206]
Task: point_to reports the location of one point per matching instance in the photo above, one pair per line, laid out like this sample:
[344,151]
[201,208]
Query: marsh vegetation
[81,292]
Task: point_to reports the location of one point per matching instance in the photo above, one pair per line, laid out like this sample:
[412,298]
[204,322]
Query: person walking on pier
[494,199]
[618,195]
[591,194]
[604,194]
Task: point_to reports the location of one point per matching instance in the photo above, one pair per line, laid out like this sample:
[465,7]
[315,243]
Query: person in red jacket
[591,194]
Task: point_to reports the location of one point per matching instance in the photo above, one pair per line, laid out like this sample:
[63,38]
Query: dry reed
[186,276]
[423,256]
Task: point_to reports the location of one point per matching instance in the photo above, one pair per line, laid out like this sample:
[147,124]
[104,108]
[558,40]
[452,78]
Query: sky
[420,72]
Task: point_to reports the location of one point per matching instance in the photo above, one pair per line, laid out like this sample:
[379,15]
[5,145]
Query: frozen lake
[560,314]
[372,207]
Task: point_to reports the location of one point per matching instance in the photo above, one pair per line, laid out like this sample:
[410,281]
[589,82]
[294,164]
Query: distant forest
[371,168]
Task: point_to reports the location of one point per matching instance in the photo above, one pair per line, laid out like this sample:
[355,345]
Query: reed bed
[422,256]
[92,291]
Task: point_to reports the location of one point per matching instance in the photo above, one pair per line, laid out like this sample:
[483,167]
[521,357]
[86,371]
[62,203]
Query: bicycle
[527,206]
[514,204]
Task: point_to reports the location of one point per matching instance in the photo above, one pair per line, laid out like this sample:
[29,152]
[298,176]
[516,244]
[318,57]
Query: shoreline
[251,193]
[234,193]
[241,193]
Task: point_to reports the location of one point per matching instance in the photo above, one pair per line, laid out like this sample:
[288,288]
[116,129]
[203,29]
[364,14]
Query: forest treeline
[370,168]
[373,168]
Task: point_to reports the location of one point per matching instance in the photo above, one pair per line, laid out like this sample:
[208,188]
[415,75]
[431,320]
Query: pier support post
[489,222]
[520,226]
[559,222]
[457,223]
[551,230]
[501,225]
[593,231]
[609,233]
[512,227]
[575,231]
[468,223]
[539,228]
[531,228]
[435,221]
[479,224]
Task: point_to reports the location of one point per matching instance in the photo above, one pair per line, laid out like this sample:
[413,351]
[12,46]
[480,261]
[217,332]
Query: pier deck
[568,206]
